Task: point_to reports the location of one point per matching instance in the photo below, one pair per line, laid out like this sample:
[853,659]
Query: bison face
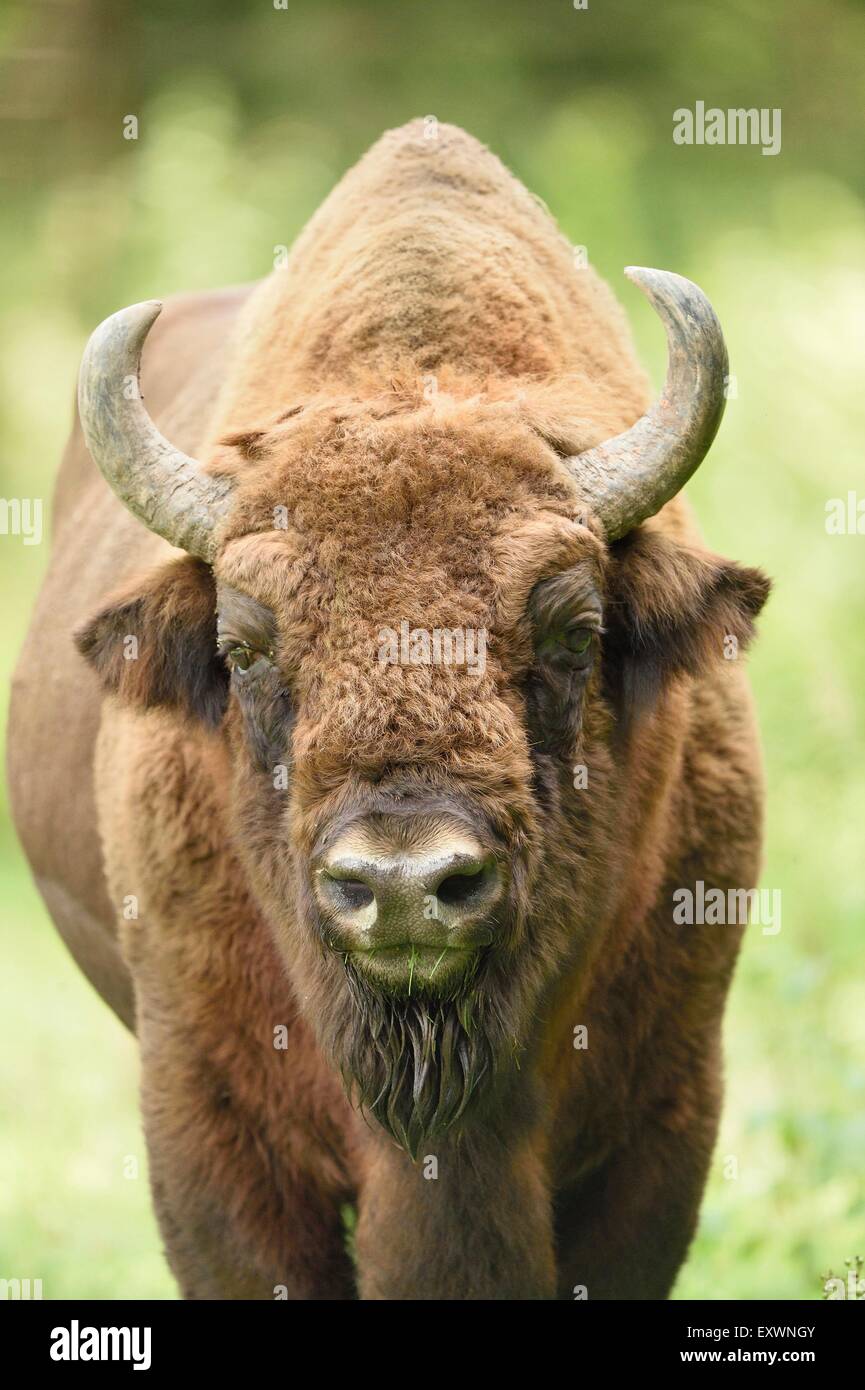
[413,659]
[426,662]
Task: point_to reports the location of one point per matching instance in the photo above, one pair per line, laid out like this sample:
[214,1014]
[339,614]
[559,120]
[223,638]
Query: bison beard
[415,1063]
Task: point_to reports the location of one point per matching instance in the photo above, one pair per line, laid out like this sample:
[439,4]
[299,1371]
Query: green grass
[74,1198]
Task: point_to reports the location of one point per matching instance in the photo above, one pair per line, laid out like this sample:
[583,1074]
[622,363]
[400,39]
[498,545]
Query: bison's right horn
[166,489]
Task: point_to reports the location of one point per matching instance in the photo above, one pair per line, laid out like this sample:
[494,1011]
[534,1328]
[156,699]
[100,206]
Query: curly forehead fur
[393,452]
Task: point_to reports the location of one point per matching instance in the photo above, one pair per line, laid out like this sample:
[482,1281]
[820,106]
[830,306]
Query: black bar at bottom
[67,1338]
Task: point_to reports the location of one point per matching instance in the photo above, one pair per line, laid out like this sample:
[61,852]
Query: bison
[394,928]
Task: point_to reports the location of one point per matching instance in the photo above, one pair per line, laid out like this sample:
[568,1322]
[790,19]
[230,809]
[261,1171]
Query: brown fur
[394,406]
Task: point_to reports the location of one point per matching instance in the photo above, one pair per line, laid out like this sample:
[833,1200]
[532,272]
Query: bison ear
[674,611]
[154,644]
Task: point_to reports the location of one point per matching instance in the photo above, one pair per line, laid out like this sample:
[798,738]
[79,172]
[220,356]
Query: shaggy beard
[413,1064]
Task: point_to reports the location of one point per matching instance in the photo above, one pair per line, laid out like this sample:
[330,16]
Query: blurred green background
[247,116]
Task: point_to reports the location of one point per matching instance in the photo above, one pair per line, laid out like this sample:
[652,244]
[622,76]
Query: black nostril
[356,894]
[460,890]
[350,892]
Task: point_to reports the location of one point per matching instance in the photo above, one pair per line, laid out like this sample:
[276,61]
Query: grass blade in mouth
[438,962]
[411,970]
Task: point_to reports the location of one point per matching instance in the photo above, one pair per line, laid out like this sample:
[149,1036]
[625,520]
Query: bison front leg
[624,1233]
[242,1215]
[246,1172]
[460,1223]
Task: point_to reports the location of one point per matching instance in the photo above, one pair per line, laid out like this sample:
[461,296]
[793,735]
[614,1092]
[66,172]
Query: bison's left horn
[166,489]
[631,476]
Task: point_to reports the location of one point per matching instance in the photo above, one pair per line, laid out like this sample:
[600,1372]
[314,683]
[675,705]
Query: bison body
[398,934]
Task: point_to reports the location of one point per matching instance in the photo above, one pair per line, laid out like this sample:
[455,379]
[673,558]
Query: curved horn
[170,492]
[631,476]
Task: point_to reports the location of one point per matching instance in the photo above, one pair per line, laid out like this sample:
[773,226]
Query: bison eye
[242,657]
[572,645]
[578,640]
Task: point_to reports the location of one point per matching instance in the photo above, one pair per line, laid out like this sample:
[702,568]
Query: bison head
[428,624]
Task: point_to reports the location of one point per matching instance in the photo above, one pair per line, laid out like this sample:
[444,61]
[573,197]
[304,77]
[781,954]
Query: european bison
[366,805]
